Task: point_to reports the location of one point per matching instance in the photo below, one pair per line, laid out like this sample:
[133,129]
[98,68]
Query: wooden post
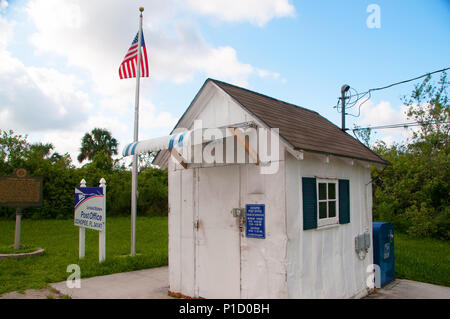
[241,139]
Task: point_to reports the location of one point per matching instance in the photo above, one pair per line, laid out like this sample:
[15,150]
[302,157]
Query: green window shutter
[344,201]
[309,203]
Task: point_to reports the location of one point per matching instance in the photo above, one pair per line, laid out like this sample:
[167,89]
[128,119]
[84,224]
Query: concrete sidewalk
[408,289]
[153,284]
[141,284]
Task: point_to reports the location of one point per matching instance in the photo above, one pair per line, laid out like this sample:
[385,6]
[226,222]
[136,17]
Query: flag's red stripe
[129,54]
[129,60]
[127,70]
[131,57]
[133,65]
[144,62]
[128,67]
[123,71]
[142,65]
[147,74]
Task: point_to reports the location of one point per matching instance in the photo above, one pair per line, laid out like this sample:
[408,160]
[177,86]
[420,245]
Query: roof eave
[387,163]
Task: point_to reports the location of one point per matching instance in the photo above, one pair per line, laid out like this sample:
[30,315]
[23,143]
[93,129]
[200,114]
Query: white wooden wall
[322,262]
[290,262]
[262,264]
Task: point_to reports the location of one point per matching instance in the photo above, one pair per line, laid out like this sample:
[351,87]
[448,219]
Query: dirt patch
[45,293]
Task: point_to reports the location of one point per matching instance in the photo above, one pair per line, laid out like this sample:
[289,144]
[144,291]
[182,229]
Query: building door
[217,266]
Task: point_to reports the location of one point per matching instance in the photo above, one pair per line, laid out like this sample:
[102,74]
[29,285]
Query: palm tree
[96,141]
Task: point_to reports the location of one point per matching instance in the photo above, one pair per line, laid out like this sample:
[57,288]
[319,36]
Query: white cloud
[38,98]
[258,12]
[5,32]
[381,114]
[70,140]
[149,119]
[180,52]
[96,39]
[384,114]
[63,141]
[3,4]
[92,37]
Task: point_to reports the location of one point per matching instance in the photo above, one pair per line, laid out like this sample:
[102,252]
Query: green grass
[425,260]
[59,238]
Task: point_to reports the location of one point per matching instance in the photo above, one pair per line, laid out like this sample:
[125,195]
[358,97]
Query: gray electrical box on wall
[362,242]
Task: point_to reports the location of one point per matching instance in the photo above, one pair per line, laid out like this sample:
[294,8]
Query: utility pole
[344,89]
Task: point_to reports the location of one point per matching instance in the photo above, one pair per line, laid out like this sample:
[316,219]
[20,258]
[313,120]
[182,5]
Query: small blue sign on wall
[255,220]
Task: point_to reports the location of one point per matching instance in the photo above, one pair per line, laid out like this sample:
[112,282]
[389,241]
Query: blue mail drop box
[383,250]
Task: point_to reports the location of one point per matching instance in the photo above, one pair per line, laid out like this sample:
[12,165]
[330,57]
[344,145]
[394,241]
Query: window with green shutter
[325,202]
[344,201]
[309,203]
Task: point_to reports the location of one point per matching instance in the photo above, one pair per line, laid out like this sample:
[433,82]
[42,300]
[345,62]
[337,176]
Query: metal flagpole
[135,157]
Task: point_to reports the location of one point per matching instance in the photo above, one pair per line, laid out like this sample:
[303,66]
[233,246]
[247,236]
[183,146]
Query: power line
[402,82]
[359,96]
[400,125]
[404,125]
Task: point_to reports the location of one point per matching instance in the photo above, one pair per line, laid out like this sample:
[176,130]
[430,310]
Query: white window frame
[329,220]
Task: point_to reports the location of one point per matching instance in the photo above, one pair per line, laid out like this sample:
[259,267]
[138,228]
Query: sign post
[20,191]
[102,233]
[18,226]
[82,233]
[90,212]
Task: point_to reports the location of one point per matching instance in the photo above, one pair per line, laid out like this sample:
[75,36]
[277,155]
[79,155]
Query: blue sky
[59,59]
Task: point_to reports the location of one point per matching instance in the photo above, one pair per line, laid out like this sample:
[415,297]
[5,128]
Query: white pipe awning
[179,140]
[157,144]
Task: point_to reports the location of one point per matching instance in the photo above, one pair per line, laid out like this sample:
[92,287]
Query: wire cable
[400,125]
[406,81]
[359,96]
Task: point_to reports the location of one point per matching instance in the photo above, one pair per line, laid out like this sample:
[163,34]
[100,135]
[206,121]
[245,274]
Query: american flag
[128,67]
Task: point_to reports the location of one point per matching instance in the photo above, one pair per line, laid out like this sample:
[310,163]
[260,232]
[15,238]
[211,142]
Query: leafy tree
[429,106]
[146,159]
[94,142]
[61,177]
[12,150]
[413,193]
[102,161]
[364,135]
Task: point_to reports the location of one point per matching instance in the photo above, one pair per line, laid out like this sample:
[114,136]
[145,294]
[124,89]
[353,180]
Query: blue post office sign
[255,220]
[90,208]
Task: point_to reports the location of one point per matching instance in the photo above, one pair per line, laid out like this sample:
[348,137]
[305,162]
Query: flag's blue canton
[135,40]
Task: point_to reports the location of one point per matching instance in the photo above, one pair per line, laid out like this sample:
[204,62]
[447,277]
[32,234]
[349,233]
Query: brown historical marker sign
[20,190]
